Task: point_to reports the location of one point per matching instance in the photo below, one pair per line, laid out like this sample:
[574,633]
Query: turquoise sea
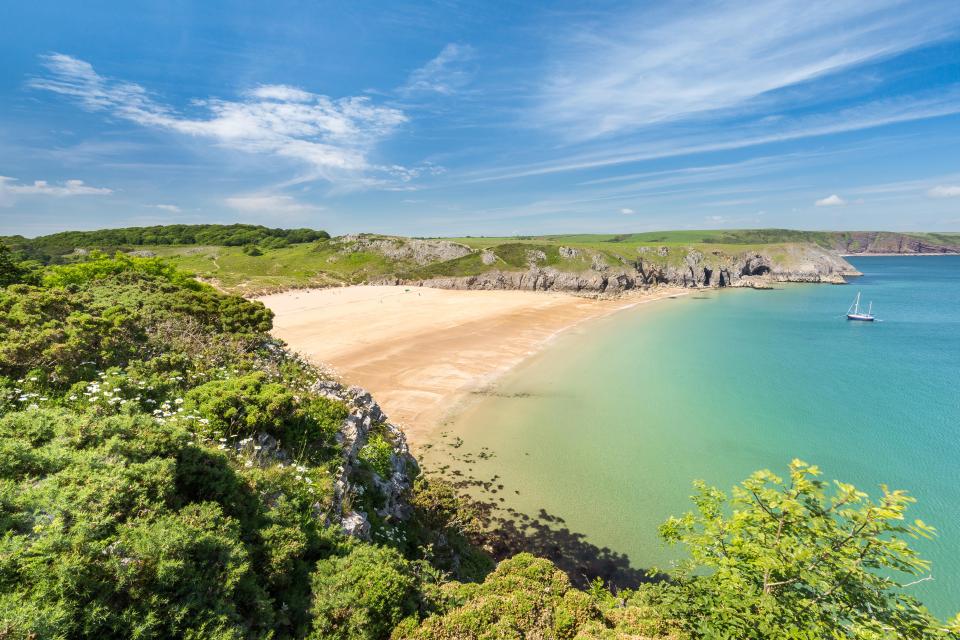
[602,432]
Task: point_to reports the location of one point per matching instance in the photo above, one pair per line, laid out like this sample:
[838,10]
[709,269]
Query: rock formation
[793,263]
[421,252]
[365,414]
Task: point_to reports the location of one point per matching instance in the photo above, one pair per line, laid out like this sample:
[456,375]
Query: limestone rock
[366,415]
[356,524]
[422,252]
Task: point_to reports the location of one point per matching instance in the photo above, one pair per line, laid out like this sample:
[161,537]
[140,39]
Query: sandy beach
[420,351]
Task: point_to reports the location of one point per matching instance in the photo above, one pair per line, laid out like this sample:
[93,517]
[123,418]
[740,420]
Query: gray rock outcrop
[422,252]
[365,415]
[796,263]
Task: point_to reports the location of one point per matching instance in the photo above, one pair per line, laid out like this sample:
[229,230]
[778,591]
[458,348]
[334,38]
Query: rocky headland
[670,266]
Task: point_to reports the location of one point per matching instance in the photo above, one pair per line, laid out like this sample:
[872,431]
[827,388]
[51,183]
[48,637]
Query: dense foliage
[795,559]
[134,500]
[168,470]
[10,270]
[52,247]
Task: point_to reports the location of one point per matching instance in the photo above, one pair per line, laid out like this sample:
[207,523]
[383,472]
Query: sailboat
[854,313]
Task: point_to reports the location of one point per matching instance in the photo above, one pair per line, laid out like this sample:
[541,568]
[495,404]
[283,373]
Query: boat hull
[859,317]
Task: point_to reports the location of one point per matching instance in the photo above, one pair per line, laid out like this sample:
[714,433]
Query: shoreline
[422,352]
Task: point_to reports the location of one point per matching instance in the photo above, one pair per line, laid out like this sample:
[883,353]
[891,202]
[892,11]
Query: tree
[10,271]
[792,559]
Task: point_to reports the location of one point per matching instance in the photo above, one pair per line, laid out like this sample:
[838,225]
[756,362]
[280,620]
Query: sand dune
[421,350]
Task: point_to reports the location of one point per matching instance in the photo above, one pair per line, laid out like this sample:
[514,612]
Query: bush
[249,404]
[784,558]
[92,542]
[362,595]
[10,271]
[526,597]
[100,266]
[377,454]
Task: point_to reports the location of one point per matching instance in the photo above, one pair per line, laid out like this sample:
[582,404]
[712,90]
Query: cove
[607,427]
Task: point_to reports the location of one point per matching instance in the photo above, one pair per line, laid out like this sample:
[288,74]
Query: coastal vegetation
[55,247]
[250,259]
[168,469]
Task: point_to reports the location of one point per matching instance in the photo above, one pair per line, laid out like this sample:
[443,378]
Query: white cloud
[880,113]
[830,201]
[445,74]
[945,191]
[333,137]
[172,208]
[267,203]
[625,211]
[659,65]
[44,188]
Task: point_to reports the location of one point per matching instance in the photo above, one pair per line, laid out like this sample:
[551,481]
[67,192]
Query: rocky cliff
[661,266]
[882,242]
[353,479]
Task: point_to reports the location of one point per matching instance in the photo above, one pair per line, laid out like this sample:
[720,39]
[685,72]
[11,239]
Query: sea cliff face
[882,242]
[662,266]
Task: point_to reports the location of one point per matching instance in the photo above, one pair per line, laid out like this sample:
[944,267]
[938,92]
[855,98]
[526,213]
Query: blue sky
[453,118]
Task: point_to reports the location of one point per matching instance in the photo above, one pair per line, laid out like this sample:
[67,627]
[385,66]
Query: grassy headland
[251,260]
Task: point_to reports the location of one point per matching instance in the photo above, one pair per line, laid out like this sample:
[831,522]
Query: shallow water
[607,427]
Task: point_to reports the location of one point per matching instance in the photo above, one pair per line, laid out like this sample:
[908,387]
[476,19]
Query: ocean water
[608,426]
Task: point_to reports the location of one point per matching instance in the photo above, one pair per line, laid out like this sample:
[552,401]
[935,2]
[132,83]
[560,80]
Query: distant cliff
[882,242]
[686,267]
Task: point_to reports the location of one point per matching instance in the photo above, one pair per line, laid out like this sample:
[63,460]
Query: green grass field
[331,262]
[327,263]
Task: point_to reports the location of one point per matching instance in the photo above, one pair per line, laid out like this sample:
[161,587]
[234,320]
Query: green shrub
[525,597]
[101,266]
[362,595]
[783,558]
[249,404]
[378,454]
[10,270]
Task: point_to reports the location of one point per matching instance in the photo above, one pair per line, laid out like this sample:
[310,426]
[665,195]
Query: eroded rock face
[794,263]
[423,252]
[488,257]
[867,242]
[365,415]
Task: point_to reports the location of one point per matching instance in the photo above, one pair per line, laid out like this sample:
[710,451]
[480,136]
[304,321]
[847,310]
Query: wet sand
[421,351]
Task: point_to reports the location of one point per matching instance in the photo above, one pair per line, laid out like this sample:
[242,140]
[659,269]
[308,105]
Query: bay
[607,427]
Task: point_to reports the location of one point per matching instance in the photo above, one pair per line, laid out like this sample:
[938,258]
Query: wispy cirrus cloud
[332,137]
[269,203]
[171,208]
[752,133]
[445,74]
[656,66]
[944,191]
[44,188]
